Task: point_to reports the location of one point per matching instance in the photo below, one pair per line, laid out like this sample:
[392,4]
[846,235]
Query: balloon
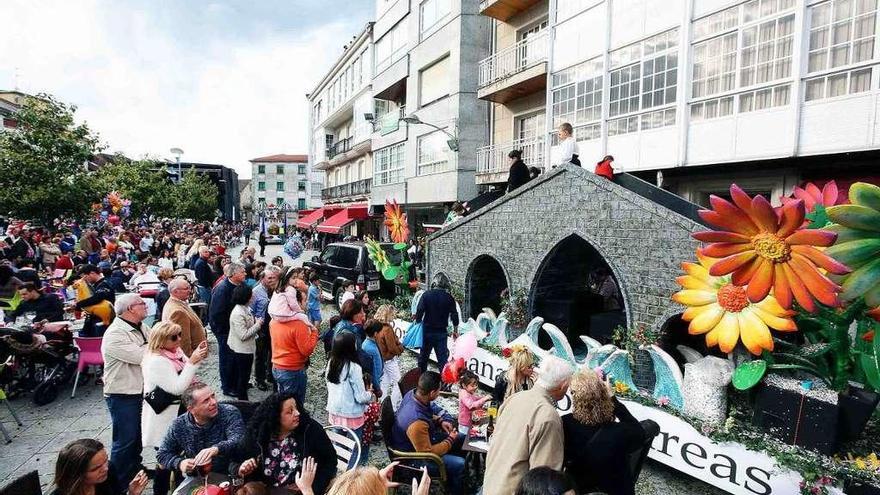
[104,214]
[114,219]
[465,346]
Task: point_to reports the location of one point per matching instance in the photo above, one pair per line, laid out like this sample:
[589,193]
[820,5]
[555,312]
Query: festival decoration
[396,222]
[705,388]
[113,208]
[858,246]
[723,312]
[816,201]
[294,246]
[762,251]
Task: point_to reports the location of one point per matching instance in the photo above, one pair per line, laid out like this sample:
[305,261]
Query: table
[477,446]
[189,483]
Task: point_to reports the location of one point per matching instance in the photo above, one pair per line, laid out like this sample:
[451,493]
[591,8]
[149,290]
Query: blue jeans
[436,341]
[125,418]
[365,447]
[293,381]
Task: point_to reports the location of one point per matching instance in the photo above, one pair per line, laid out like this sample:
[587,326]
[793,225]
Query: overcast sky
[223,80]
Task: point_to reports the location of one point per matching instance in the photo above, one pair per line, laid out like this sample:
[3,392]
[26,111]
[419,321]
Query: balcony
[352,190]
[492,164]
[339,147]
[515,71]
[505,9]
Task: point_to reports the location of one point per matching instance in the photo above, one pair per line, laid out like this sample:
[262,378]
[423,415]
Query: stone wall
[643,242]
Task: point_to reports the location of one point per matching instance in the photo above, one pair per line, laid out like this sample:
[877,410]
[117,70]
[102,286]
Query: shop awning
[337,222]
[310,219]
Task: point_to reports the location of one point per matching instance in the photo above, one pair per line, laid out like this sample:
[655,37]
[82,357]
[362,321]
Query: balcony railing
[357,188]
[493,158]
[339,147]
[514,59]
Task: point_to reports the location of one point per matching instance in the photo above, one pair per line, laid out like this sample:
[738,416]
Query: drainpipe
[548,97]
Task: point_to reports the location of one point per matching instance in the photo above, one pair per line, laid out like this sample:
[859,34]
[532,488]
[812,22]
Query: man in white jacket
[123,347]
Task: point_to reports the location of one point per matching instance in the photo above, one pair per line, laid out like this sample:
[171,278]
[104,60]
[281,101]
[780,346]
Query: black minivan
[342,261]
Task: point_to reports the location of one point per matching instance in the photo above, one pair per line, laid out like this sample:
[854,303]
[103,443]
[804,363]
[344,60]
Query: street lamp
[414,119]
[177,152]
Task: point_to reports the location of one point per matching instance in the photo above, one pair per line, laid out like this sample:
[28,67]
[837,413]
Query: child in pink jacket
[468,401]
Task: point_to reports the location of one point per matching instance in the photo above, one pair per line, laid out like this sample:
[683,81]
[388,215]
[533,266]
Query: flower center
[770,247]
[733,298]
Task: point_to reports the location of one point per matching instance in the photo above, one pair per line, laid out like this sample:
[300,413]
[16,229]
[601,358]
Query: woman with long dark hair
[83,468]
[347,396]
[280,437]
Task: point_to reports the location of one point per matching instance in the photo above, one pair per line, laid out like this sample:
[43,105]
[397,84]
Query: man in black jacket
[519,172]
[47,307]
[435,309]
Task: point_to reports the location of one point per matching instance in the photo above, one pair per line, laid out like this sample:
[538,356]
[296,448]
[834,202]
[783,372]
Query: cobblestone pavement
[48,428]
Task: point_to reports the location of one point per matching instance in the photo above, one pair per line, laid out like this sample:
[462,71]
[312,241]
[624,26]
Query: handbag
[159,399]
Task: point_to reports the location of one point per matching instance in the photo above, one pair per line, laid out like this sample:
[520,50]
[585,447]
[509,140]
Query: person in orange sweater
[292,344]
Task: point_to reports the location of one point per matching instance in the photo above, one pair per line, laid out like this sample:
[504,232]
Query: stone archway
[575,289]
[486,280]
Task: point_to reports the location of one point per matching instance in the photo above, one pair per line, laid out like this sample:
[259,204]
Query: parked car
[341,261]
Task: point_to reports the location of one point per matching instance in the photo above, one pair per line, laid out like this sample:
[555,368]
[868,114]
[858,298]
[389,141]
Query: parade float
[780,394]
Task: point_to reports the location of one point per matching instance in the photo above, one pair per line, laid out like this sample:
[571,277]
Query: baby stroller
[41,363]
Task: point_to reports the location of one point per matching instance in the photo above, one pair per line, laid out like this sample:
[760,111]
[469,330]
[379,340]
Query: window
[301,204]
[346,257]
[855,81]
[761,99]
[279,169]
[644,74]
[261,169]
[564,104]
[388,165]
[710,109]
[391,47]
[434,82]
[714,66]
[577,97]
[280,202]
[279,186]
[261,200]
[766,51]
[529,127]
[432,153]
[432,12]
[841,33]
[302,185]
[261,186]
[301,169]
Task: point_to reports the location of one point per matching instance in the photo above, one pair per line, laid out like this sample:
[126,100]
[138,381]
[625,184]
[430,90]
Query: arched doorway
[485,283]
[575,289]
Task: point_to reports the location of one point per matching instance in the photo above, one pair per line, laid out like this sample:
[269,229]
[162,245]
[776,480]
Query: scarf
[177,358]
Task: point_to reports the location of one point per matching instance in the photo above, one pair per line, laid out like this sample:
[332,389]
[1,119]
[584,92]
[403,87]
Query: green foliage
[195,197]
[633,339]
[402,303]
[515,307]
[144,182]
[43,163]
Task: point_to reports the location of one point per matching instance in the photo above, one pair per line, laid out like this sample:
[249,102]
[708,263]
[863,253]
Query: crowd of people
[267,324]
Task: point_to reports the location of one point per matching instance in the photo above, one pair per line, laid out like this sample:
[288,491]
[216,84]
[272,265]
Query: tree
[144,182]
[43,163]
[195,197]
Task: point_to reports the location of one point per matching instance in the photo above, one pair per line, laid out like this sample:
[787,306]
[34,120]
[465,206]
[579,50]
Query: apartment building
[341,125]
[692,94]
[429,122]
[279,180]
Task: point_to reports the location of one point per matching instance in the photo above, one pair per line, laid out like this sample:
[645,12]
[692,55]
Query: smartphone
[403,466]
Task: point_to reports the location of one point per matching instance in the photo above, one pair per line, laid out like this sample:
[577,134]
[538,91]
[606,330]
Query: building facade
[341,125]
[695,94]
[226,180]
[426,64]
[279,180]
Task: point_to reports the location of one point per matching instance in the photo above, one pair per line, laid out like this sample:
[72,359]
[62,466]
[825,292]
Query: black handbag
[159,399]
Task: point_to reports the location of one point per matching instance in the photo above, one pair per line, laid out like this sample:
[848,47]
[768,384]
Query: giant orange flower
[395,220]
[722,311]
[761,250]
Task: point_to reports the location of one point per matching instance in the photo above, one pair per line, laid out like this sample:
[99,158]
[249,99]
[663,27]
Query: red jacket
[604,169]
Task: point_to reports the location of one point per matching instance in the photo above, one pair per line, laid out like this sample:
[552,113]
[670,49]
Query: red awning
[312,218]
[337,222]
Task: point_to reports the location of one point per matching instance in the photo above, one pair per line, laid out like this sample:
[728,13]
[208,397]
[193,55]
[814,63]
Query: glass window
[716,23]
[346,257]
[431,13]
[302,185]
[764,98]
[841,33]
[328,255]
[433,153]
[280,202]
[711,109]
[301,204]
[261,186]
[839,84]
[301,169]
[279,169]
[714,66]
[434,82]
[261,169]
[766,51]
[388,165]
[279,186]
[646,84]
[564,104]
[624,90]
[391,47]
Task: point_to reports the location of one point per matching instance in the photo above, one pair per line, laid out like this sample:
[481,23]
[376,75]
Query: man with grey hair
[177,310]
[123,348]
[529,430]
[260,309]
[204,275]
[221,309]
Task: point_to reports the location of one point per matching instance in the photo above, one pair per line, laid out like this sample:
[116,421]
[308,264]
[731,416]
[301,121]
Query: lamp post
[177,152]
[452,142]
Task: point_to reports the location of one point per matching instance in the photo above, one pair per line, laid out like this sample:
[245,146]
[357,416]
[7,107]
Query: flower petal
[730,210]
[824,290]
[706,320]
[720,236]
[696,271]
[725,249]
[727,223]
[743,274]
[821,259]
[830,193]
[690,297]
[792,218]
[731,263]
[692,312]
[728,332]
[754,333]
[801,294]
[762,213]
[773,321]
[712,337]
[740,198]
[772,306]
[812,237]
[781,286]
[688,282]
[759,285]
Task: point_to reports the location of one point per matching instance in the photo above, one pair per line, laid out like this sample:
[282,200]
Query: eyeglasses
[137,304]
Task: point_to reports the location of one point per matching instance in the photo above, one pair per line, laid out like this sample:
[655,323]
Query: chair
[89,354]
[28,484]
[386,422]
[347,446]
[12,303]
[5,400]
